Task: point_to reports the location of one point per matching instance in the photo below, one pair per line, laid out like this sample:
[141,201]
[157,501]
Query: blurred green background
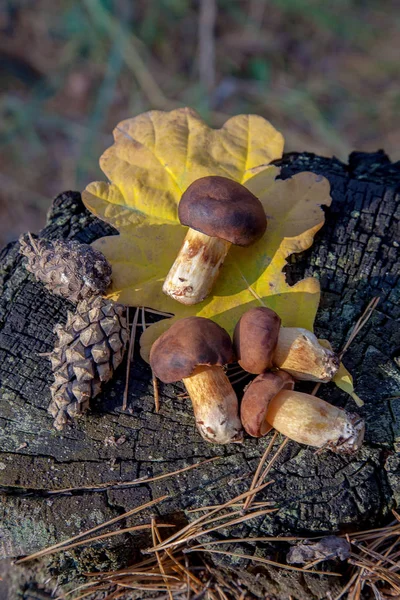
[326,74]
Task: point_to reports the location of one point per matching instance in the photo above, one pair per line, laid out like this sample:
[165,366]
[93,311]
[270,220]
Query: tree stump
[355,257]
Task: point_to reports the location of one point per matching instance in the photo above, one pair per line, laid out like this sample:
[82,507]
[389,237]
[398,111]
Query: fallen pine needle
[360,324]
[130,357]
[273,460]
[238,505]
[267,469]
[156,393]
[60,545]
[156,539]
[258,539]
[264,561]
[158,312]
[109,534]
[139,481]
[199,520]
[258,470]
[241,378]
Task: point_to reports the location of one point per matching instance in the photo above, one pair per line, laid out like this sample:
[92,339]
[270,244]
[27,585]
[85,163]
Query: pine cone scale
[93,334]
[101,353]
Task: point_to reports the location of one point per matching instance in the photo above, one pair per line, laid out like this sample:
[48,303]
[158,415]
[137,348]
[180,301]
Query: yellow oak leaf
[157,155]
[343,378]
[344,381]
[154,158]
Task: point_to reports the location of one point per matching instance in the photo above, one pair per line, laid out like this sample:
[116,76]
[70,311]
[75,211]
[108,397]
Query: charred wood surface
[355,257]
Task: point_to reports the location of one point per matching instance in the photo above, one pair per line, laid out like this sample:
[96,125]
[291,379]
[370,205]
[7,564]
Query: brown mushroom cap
[255,339]
[257,397]
[188,343]
[223,208]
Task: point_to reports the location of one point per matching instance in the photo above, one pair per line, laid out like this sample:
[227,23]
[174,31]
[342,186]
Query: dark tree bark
[355,256]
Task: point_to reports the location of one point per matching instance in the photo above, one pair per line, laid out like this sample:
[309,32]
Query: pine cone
[70,269]
[89,348]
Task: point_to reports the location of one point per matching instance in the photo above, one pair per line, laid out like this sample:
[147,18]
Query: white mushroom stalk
[215,405]
[196,268]
[309,420]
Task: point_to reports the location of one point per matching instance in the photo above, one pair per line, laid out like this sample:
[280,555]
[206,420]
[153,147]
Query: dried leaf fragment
[327,548]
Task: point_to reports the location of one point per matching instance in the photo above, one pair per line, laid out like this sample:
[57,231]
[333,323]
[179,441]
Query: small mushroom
[256,399]
[301,417]
[219,212]
[260,343]
[195,349]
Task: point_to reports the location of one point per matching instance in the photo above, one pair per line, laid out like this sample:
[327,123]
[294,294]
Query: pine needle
[249,540]
[241,378]
[374,560]
[346,587]
[264,561]
[237,521]
[108,535]
[238,505]
[158,312]
[360,324]
[163,572]
[33,242]
[59,546]
[156,393]
[156,539]
[139,481]
[130,357]
[258,470]
[273,460]
[267,469]
[172,540]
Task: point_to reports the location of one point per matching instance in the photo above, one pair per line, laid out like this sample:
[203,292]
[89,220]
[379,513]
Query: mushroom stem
[312,421]
[299,353]
[196,267]
[215,405]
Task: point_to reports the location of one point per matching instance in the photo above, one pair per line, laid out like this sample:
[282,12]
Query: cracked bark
[355,256]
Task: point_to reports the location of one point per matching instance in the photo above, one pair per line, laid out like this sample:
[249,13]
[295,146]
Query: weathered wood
[355,256]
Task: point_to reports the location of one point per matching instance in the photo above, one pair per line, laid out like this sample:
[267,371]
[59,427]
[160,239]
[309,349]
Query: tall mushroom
[195,349]
[219,212]
[260,343]
[269,401]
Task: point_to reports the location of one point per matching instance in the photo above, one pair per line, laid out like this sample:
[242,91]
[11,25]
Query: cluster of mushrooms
[220,212]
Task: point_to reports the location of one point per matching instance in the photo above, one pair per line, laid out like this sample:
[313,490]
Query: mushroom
[195,349]
[270,401]
[257,396]
[260,343]
[219,212]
